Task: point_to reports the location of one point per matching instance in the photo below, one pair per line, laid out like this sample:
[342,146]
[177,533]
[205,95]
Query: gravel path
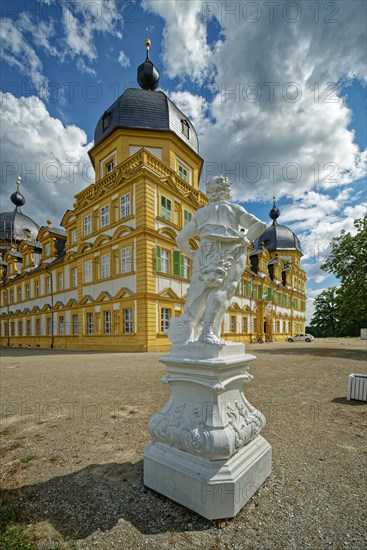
[74,426]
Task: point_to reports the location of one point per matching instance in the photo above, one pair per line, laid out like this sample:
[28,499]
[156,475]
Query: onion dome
[17,199]
[146,109]
[16,226]
[148,74]
[276,236]
[274,212]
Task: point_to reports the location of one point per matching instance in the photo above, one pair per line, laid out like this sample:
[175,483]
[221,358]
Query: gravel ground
[74,426]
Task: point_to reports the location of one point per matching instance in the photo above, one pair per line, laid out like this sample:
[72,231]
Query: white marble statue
[225,230]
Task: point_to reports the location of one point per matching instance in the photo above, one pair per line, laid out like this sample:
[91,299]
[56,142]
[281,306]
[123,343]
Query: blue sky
[276,92]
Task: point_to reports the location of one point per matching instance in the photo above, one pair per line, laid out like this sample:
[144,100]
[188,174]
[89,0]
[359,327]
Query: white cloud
[51,158]
[18,52]
[78,37]
[186,52]
[70,33]
[317,218]
[82,20]
[272,117]
[277,121]
[84,68]
[194,106]
[123,59]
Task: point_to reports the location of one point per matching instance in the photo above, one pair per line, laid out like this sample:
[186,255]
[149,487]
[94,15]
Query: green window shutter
[249,288]
[158,261]
[176,263]
[260,292]
[270,294]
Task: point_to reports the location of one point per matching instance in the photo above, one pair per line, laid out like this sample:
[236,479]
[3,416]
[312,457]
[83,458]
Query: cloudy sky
[276,90]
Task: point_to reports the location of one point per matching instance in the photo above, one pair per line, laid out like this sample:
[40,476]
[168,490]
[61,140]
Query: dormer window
[106,121]
[185,128]
[109,167]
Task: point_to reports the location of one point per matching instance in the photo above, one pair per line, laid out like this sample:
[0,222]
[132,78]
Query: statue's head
[218,189]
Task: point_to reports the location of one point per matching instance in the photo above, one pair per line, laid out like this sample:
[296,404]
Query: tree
[345,307]
[326,318]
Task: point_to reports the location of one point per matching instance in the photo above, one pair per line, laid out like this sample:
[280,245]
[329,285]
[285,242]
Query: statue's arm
[183,237]
[253,225]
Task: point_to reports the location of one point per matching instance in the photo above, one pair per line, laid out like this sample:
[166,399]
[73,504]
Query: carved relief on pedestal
[213,431]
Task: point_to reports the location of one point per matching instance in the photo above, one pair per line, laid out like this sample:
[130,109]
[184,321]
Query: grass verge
[12,537]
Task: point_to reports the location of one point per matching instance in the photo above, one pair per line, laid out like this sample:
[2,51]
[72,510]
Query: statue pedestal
[207,453]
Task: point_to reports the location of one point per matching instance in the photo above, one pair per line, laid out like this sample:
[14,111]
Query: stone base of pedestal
[215,489]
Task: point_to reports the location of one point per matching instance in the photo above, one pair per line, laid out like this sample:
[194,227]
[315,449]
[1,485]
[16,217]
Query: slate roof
[145,109]
[15,224]
[279,237]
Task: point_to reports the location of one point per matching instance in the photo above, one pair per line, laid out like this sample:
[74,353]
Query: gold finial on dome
[147,43]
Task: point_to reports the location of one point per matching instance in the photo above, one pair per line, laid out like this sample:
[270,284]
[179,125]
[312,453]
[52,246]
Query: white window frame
[128,320]
[105,266]
[60,281]
[125,206]
[107,321]
[88,271]
[62,325]
[47,250]
[90,322]
[36,289]
[186,167]
[75,319]
[74,236]
[165,210]
[165,261]
[190,214]
[126,259]
[165,318]
[48,284]
[109,167]
[244,325]
[87,225]
[186,268]
[233,324]
[105,216]
[74,277]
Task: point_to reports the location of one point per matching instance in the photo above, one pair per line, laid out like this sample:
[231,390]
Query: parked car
[301,338]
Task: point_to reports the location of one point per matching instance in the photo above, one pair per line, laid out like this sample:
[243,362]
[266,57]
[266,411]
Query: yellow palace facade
[112,277]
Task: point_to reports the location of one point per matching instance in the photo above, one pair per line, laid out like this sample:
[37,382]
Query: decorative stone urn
[207,452]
